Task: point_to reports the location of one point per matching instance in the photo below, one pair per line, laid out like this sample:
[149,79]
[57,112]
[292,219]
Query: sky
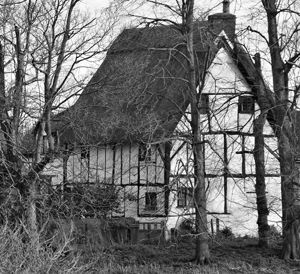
[243,9]
[238,7]
[96,3]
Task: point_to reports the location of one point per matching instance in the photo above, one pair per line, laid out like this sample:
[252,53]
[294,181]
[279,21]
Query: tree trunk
[167,168]
[260,186]
[33,191]
[284,135]
[202,255]
[32,216]
[259,158]
[290,210]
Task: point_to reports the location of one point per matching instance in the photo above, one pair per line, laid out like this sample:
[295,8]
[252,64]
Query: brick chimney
[223,21]
[226,6]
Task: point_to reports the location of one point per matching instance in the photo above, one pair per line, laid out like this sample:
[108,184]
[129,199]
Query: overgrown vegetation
[235,255]
[83,200]
[226,232]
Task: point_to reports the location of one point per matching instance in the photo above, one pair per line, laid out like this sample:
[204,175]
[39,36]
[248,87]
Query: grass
[236,255]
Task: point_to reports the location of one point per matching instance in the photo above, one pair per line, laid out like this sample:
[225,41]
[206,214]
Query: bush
[187,226]
[274,232]
[226,232]
[83,200]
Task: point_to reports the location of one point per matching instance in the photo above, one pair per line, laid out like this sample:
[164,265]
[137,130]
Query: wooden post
[212,227]
[167,168]
[243,157]
[217,225]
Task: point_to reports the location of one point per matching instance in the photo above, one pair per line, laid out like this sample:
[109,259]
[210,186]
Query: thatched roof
[140,91]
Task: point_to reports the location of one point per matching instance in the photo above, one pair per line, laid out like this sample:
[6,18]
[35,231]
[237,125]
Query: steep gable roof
[140,90]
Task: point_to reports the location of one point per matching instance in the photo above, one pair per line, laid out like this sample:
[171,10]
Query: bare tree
[202,249]
[43,50]
[284,125]
[281,38]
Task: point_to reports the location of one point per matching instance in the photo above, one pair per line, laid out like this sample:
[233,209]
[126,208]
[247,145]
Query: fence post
[217,225]
[134,232]
[163,230]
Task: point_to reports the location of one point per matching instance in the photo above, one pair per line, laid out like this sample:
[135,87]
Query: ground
[229,255]
[238,255]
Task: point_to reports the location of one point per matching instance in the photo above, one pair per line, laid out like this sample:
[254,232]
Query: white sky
[238,7]
[243,9]
[96,3]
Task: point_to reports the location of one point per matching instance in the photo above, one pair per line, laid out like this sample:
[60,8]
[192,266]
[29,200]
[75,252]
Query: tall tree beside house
[42,50]
[202,254]
[259,157]
[281,70]
[282,39]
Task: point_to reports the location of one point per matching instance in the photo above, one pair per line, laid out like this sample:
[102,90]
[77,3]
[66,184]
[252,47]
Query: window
[246,104]
[144,152]
[185,197]
[85,153]
[204,104]
[151,201]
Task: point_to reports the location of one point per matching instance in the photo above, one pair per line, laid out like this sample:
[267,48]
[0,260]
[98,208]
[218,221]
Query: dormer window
[144,153]
[246,105]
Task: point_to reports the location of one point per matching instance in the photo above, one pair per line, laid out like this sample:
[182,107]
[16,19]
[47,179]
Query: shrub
[84,200]
[187,226]
[274,232]
[226,232]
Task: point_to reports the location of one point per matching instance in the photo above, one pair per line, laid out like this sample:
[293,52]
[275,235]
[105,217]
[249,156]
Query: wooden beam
[177,150]
[226,162]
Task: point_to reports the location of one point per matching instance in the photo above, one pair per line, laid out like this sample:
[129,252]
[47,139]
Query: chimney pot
[226,5]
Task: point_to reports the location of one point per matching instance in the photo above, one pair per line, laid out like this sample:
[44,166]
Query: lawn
[229,255]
